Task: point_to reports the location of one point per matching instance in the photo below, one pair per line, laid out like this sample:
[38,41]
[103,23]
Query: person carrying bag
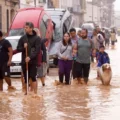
[65,59]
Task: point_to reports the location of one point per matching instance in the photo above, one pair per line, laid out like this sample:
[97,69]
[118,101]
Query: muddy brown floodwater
[75,102]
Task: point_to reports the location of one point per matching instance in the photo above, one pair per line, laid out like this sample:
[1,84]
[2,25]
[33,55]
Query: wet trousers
[64,70]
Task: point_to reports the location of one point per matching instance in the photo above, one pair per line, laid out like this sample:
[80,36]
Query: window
[64,29]
[16,32]
[46,20]
[67,24]
[42,1]
[43,29]
[0,18]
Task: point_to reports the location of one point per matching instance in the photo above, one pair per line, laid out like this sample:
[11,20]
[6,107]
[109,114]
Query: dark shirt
[34,43]
[4,45]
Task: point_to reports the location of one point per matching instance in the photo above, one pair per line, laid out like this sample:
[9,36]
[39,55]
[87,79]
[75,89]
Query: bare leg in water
[33,87]
[8,81]
[42,81]
[23,81]
[1,84]
[79,80]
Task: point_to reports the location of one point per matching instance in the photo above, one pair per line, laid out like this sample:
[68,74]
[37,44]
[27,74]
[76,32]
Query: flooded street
[75,102]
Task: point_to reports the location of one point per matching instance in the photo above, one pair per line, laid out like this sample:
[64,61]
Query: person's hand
[65,58]
[8,63]
[27,59]
[73,54]
[25,45]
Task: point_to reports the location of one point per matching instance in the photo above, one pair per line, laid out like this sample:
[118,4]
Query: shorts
[42,71]
[82,70]
[32,72]
[4,71]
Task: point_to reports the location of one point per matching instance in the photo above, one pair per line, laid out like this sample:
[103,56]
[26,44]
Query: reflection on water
[75,102]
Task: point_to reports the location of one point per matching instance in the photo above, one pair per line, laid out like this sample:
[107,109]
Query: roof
[55,9]
[26,15]
[54,12]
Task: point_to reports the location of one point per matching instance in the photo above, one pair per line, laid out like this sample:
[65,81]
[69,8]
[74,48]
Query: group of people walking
[75,53]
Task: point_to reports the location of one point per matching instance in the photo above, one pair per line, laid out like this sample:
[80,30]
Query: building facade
[93,13]
[8,9]
[104,10]
[78,11]
[33,3]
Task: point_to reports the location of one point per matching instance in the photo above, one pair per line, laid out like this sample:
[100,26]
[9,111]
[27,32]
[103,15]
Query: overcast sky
[117,5]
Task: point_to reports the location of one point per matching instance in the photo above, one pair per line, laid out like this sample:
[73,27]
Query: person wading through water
[65,59]
[74,39]
[84,47]
[32,42]
[5,61]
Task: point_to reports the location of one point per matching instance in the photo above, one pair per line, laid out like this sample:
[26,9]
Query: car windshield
[58,31]
[14,43]
[16,32]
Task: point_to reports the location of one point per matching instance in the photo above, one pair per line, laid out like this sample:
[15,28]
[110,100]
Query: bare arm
[74,50]
[10,55]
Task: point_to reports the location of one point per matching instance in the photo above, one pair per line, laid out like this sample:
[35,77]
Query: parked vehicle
[42,22]
[15,68]
[39,17]
[63,21]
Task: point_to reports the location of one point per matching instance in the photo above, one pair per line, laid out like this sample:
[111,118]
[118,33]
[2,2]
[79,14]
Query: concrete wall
[7,6]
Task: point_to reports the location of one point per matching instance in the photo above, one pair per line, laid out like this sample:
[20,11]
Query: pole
[19,4]
[27,72]
[35,3]
[92,12]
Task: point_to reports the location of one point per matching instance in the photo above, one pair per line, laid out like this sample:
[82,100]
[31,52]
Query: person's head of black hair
[102,46]
[72,30]
[30,24]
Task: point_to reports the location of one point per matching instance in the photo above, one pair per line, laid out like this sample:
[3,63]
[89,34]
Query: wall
[31,3]
[7,6]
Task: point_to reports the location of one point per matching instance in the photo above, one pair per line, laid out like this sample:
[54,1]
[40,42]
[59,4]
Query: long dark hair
[69,41]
